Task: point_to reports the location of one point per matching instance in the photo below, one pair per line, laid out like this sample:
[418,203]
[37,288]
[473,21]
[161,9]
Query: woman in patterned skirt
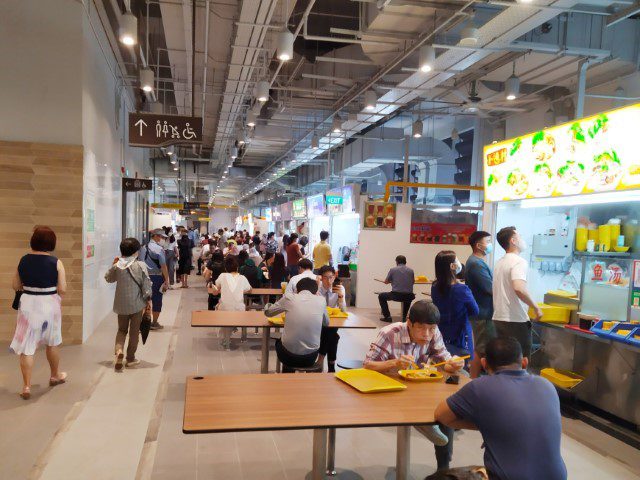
[41,278]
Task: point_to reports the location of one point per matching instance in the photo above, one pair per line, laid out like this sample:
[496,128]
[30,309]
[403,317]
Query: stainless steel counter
[610,368]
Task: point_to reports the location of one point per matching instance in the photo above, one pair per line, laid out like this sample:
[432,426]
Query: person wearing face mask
[510,295]
[479,279]
[152,254]
[133,295]
[455,303]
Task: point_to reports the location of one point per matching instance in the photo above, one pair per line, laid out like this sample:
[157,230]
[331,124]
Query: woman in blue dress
[455,302]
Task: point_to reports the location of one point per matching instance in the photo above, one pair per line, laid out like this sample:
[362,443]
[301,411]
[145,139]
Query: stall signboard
[299,208]
[441,233]
[268,216]
[593,154]
[380,215]
[276,214]
[315,205]
[347,199]
[286,209]
[334,201]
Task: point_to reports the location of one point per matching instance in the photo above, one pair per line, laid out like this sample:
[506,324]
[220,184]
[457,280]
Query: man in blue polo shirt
[518,415]
[152,254]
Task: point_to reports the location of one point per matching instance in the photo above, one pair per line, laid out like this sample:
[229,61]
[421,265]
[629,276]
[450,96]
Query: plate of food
[542,180]
[421,375]
[518,182]
[606,172]
[543,146]
[571,177]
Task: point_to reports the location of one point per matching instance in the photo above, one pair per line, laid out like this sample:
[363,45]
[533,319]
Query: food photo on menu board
[593,154]
[451,228]
[380,215]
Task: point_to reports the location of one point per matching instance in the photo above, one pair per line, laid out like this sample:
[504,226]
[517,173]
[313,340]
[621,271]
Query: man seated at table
[306,314]
[401,279]
[417,341]
[305,269]
[334,296]
[518,415]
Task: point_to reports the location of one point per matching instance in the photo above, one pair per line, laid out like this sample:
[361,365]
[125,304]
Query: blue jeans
[156,292]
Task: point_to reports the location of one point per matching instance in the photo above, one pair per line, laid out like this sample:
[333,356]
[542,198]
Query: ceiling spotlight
[241,138]
[146,79]
[171,149]
[285,45]
[370,99]
[427,57]
[128,31]
[223,177]
[336,126]
[469,36]
[175,169]
[251,119]
[315,141]
[416,129]
[512,85]
[173,160]
[234,152]
[472,109]
[262,91]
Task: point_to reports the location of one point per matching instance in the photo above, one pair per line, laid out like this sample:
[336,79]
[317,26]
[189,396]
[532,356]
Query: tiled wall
[41,184]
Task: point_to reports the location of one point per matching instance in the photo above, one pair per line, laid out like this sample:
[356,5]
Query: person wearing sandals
[41,278]
[133,296]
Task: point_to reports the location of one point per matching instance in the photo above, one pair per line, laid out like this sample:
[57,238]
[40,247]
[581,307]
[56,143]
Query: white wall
[103,136]
[223,217]
[378,250]
[40,75]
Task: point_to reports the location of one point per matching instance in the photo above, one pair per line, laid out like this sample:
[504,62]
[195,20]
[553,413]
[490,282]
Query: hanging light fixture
[285,45]
[469,35]
[128,32]
[427,57]
[262,91]
[171,149]
[315,142]
[512,85]
[416,129]
[234,153]
[240,139]
[146,79]
[251,119]
[370,100]
[336,126]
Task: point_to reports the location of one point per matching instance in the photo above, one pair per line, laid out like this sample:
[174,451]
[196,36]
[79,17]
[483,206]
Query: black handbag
[16,300]
[145,324]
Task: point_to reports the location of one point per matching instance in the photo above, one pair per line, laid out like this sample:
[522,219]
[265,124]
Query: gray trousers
[171,265]
[129,324]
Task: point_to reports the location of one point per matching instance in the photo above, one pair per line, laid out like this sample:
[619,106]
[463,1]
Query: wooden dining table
[257,319]
[318,401]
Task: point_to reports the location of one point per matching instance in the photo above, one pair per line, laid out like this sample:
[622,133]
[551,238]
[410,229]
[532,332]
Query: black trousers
[199,266]
[405,298]
[213,301]
[445,454]
[329,346]
[291,360]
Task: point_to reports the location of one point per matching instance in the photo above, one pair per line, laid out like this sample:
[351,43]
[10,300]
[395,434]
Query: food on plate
[606,171]
[600,124]
[543,184]
[544,146]
[518,182]
[497,157]
[421,374]
[571,176]
[493,179]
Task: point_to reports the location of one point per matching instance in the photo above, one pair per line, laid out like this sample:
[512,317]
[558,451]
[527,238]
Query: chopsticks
[443,363]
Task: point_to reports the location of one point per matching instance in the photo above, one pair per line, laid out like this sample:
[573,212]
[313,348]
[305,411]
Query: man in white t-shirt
[511,298]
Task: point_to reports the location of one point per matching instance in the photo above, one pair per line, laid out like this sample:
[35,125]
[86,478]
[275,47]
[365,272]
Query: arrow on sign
[140,123]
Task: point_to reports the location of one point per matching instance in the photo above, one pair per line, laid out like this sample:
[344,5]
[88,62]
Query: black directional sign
[152,130]
[136,184]
[196,205]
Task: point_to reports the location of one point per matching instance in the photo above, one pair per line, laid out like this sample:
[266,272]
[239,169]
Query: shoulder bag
[145,324]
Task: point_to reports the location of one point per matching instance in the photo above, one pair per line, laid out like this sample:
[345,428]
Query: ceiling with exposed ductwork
[210,57]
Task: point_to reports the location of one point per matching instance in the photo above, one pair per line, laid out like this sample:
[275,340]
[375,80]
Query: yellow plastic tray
[421,278]
[406,374]
[336,313]
[552,314]
[368,381]
[562,293]
[277,320]
[561,378]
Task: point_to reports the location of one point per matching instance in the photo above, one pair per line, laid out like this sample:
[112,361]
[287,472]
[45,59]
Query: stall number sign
[151,130]
[334,200]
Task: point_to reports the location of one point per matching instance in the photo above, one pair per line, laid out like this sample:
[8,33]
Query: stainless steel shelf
[607,254]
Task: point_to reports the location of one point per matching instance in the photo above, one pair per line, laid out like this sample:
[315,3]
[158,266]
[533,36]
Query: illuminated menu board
[593,154]
[299,208]
[286,210]
[347,199]
[268,215]
[315,205]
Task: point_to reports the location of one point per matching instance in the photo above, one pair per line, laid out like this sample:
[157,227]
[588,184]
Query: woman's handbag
[145,324]
[16,300]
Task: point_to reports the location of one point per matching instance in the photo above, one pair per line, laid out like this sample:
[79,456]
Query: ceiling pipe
[206,61]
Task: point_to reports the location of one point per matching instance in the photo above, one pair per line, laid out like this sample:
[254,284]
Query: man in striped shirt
[416,342]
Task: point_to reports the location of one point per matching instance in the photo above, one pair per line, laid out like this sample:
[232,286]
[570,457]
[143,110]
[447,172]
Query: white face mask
[458,266]
[522,245]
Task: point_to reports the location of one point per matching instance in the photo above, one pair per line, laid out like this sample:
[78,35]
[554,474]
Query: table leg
[403,459]
[319,454]
[243,337]
[266,339]
[331,453]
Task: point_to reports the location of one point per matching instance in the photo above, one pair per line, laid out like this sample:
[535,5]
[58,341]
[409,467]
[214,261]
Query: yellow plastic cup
[593,235]
[283,285]
[582,236]
[604,237]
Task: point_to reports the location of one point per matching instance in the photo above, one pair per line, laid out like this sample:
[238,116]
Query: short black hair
[220,231]
[308,284]
[324,235]
[230,264]
[503,351]
[292,237]
[271,235]
[129,246]
[424,312]
[243,256]
[401,260]
[326,268]
[475,237]
[305,264]
[505,235]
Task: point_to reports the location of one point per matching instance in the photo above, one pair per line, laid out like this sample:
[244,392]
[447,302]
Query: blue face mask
[489,249]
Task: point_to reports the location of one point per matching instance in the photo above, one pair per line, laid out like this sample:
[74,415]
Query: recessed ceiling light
[128,31]
[427,57]
[416,129]
[285,45]
[146,79]
[370,99]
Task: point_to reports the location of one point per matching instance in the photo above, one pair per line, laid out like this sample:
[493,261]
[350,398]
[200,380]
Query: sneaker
[434,435]
[132,363]
[156,326]
[386,319]
[118,362]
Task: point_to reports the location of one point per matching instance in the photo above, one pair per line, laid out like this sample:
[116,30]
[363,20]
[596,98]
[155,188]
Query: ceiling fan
[473,103]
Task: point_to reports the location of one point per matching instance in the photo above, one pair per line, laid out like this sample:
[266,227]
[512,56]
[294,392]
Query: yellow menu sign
[594,154]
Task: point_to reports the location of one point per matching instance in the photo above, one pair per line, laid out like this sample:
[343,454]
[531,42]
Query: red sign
[441,233]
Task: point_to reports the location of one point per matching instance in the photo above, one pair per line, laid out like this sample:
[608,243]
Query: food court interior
[266,139]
